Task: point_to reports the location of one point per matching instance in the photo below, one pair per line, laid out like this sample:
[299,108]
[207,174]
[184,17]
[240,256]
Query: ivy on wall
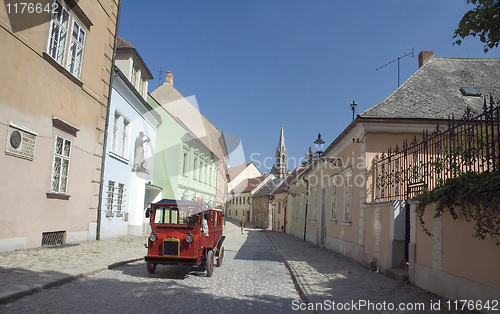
[475,196]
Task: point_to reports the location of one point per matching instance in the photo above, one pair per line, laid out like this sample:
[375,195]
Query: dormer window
[470,91]
[135,75]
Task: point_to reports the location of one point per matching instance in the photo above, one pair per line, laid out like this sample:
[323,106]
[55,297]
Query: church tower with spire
[279,169]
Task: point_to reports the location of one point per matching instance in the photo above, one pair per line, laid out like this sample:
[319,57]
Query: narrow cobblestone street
[253,278]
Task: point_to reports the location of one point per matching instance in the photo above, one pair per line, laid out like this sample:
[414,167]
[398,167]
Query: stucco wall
[453,263]
[33,92]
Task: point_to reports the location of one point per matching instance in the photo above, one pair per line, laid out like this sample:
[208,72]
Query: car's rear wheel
[210,263]
[151,267]
[220,258]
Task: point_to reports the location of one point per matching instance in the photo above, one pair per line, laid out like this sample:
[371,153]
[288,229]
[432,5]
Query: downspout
[307,204]
[105,139]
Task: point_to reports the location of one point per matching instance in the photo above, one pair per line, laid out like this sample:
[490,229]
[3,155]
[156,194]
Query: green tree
[482,21]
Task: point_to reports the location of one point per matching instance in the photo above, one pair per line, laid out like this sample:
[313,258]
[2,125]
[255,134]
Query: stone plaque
[20,142]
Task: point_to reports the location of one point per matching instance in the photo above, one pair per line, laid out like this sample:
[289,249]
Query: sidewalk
[323,275]
[28,271]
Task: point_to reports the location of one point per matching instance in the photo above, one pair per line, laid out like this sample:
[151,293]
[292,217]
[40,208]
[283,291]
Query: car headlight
[189,238]
[153,237]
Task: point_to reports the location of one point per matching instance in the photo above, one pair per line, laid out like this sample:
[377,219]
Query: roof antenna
[160,69]
[397,59]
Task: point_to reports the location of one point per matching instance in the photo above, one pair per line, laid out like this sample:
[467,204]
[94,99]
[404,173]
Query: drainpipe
[307,204]
[105,139]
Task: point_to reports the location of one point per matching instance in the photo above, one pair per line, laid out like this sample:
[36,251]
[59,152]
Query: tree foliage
[482,21]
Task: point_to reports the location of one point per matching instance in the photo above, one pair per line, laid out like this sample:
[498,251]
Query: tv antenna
[160,69]
[397,59]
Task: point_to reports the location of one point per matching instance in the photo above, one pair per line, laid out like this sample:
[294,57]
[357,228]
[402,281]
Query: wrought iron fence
[468,144]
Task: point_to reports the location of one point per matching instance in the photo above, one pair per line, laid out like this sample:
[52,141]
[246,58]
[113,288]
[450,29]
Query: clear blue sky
[254,64]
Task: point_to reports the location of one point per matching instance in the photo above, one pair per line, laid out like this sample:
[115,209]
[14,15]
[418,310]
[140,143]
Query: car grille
[171,247]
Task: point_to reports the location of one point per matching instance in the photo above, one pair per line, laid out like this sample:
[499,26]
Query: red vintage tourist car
[184,232]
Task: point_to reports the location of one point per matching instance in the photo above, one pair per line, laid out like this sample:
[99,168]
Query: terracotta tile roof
[233,172]
[248,185]
[288,180]
[122,43]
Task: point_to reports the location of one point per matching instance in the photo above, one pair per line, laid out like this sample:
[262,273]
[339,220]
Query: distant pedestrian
[242,225]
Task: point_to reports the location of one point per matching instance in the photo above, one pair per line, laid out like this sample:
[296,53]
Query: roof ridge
[400,86]
[122,43]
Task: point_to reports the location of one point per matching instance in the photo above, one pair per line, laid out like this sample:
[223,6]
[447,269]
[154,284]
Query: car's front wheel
[151,267]
[209,265]
[220,258]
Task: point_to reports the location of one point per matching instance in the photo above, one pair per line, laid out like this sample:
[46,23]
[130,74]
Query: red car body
[184,232]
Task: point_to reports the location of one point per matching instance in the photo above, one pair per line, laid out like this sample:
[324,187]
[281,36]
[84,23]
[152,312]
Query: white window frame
[347,195]
[110,198]
[195,167]
[120,199]
[62,156]
[121,130]
[75,51]
[61,26]
[334,202]
[185,162]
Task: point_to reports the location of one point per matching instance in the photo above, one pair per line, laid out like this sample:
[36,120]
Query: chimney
[170,78]
[423,57]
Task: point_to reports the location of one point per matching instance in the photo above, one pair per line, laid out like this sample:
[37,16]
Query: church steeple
[279,170]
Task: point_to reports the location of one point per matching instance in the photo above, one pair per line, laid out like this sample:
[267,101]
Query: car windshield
[177,214]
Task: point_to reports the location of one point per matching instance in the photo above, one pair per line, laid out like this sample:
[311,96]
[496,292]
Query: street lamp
[319,145]
[353,108]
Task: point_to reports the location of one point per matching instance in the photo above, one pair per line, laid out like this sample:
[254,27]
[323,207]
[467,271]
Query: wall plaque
[20,142]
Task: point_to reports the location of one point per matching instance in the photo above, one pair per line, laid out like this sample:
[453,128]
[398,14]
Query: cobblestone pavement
[328,280]
[27,271]
[112,277]
[252,278]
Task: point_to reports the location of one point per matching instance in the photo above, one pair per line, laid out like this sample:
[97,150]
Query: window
[115,205]
[75,56]
[302,205]
[347,195]
[207,173]
[202,170]
[185,163]
[58,33]
[135,75]
[469,91]
[312,204]
[60,165]
[110,198]
[59,28]
[121,129]
[119,200]
[333,214]
[195,172]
